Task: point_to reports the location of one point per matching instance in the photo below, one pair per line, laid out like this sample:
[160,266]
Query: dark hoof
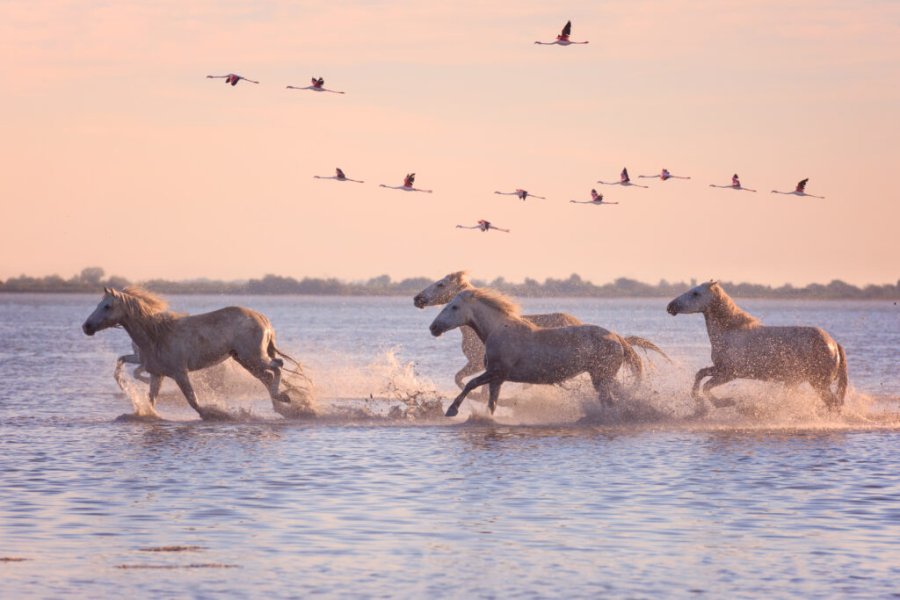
[451,412]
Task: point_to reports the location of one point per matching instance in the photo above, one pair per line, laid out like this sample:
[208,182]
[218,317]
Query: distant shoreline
[92,280]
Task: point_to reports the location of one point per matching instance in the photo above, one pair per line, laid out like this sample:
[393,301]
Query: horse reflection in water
[172,345]
[744,348]
[518,350]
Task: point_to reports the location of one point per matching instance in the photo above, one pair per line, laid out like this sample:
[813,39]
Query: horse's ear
[107,291]
[467,294]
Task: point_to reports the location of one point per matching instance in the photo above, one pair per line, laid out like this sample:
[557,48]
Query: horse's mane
[147,308]
[459,276]
[727,311]
[498,300]
[142,301]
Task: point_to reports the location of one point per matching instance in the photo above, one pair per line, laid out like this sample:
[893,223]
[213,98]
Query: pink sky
[118,152]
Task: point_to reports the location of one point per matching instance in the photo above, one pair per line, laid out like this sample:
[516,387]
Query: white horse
[520,351]
[443,290]
[172,345]
[744,348]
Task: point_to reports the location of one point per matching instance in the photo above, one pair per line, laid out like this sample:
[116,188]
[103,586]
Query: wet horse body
[517,350]
[744,348]
[172,345]
[442,291]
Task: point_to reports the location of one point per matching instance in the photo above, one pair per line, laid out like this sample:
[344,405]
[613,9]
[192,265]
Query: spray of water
[388,389]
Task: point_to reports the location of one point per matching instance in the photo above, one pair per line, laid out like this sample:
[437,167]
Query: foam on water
[390,390]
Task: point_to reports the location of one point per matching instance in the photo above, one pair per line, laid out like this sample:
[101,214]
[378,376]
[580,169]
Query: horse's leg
[828,397]
[131,359]
[207,414]
[704,372]
[470,369]
[473,350]
[718,378]
[268,373]
[155,385]
[494,388]
[482,379]
[138,374]
[603,386]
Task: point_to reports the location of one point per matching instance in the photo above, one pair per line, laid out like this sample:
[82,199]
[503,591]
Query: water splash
[390,389]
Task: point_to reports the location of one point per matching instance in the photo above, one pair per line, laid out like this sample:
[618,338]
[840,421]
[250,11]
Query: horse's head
[695,300]
[457,313]
[443,290]
[109,313]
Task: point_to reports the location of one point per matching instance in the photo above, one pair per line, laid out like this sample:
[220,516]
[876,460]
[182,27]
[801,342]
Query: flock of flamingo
[562,39]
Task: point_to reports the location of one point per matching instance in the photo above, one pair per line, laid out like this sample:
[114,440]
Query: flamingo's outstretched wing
[567,28]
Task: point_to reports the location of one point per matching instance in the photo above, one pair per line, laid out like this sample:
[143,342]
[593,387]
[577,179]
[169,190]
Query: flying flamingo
[563,38]
[338,176]
[596,199]
[800,190]
[317,86]
[735,185]
[664,175]
[522,194]
[407,185]
[624,179]
[231,78]
[483,226]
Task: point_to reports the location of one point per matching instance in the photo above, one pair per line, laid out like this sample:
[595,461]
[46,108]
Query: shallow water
[773,497]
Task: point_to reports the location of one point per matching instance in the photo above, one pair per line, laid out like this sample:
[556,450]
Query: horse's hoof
[451,412]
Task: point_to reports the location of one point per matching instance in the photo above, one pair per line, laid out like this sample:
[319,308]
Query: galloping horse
[172,345]
[442,291]
[520,351]
[744,348]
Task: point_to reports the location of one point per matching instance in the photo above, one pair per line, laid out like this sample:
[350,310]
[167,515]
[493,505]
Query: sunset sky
[118,152]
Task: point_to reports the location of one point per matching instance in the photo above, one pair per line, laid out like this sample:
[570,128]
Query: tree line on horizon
[93,279]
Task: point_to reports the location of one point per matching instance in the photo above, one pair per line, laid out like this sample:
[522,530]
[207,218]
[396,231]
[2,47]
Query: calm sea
[382,497]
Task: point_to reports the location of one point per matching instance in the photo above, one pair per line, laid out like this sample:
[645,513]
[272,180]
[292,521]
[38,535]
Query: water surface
[775,497]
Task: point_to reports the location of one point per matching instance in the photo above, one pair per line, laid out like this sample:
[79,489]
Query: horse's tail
[646,345]
[842,378]
[635,365]
[274,353]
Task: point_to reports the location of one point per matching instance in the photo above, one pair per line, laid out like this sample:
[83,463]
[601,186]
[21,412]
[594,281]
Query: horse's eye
[455,307]
[440,285]
[696,294]
[107,307]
